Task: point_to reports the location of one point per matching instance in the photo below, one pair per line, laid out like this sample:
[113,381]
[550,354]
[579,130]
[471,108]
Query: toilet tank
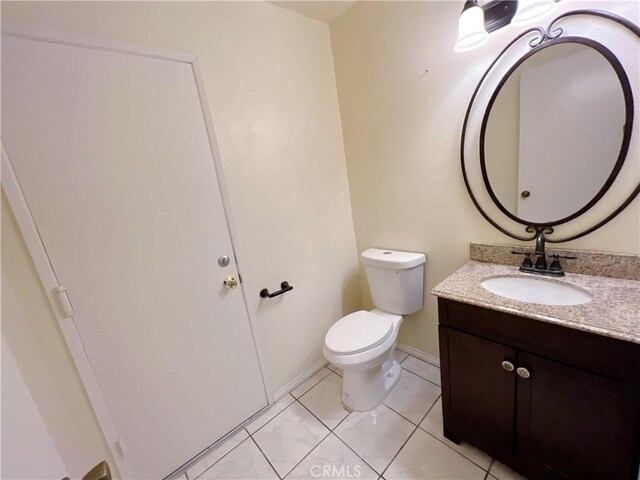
[396,279]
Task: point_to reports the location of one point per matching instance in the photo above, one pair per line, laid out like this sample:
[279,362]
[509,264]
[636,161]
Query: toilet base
[363,390]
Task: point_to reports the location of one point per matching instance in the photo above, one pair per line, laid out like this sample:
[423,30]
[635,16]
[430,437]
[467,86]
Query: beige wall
[401,128]
[269,77]
[30,329]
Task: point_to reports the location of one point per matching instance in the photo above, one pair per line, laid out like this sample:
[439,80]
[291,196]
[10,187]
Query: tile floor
[308,435]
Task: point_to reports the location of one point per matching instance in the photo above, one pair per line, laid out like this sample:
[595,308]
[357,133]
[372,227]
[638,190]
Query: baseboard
[281,392]
[432,359]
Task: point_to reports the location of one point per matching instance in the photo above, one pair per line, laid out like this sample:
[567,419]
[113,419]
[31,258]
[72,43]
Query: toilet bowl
[363,343]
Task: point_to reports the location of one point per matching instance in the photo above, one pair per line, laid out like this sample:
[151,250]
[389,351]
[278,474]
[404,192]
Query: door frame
[38,252]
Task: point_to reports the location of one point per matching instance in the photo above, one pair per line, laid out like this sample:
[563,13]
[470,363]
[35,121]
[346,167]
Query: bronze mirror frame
[544,39]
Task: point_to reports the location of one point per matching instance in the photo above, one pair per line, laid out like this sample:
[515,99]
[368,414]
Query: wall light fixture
[479,18]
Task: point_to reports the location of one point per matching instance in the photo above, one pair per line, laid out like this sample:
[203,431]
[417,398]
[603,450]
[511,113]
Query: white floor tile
[332,459]
[502,472]
[216,454]
[289,437]
[325,401]
[271,412]
[376,435]
[424,457]
[412,396]
[433,424]
[424,369]
[400,355]
[310,382]
[244,462]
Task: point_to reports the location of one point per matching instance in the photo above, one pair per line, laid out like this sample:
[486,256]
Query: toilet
[363,343]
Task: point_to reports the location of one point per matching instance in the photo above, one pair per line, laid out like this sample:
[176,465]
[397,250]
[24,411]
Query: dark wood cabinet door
[575,422]
[477,391]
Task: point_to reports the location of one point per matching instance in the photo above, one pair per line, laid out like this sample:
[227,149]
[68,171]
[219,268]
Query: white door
[112,155]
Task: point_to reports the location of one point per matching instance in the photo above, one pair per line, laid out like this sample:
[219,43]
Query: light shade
[471,31]
[532,10]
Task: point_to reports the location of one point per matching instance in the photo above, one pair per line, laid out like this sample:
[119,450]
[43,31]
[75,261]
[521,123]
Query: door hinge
[64,302]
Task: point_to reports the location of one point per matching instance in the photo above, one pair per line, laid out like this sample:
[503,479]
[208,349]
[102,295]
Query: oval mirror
[553,136]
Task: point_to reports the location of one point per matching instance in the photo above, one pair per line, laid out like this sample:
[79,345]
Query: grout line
[303,393]
[489,469]
[431,408]
[349,412]
[217,461]
[318,418]
[417,374]
[314,416]
[407,440]
[394,411]
[310,452]
[295,400]
[269,421]
[410,435]
[459,453]
[354,452]
[316,446]
[265,457]
[445,444]
[332,431]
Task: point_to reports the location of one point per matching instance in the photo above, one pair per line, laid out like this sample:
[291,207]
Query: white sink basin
[537,290]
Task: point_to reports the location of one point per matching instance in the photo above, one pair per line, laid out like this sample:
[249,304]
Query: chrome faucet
[541,266]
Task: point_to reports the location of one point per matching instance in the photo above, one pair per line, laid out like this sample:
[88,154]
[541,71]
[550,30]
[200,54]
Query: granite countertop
[613,312]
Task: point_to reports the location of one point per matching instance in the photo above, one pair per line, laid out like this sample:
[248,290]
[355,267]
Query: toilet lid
[357,332]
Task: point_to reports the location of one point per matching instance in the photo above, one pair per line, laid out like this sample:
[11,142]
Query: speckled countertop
[613,312]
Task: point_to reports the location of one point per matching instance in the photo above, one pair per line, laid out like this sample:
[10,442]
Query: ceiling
[326,11]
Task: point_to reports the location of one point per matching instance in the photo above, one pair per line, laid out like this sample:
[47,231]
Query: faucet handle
[526,263]
[557,256]
[555,265]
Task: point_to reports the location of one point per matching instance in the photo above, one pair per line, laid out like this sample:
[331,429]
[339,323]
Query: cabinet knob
[508,366]
[523,372]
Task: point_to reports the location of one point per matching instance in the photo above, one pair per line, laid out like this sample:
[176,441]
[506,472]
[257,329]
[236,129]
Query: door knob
[508,366]
[523,372]
[230,282]
[525,194]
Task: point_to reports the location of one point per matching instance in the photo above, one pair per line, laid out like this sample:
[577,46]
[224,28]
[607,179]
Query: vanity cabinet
[550,401]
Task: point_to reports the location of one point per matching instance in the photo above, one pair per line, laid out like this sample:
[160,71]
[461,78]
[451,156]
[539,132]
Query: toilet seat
[358,332]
